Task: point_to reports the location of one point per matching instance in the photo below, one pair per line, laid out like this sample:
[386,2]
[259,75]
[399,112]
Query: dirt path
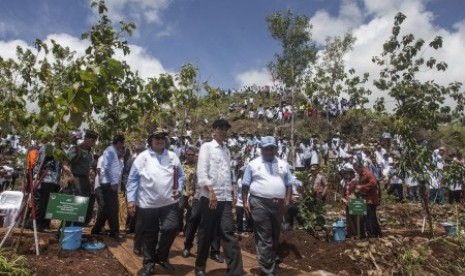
[123,253]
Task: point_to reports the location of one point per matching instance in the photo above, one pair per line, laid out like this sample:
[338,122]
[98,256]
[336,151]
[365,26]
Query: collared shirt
[47,161]
[151,179]
[267,179]
[368,187]
[80,160]
[213,169]
[317,182]
[190,178]
[112,168]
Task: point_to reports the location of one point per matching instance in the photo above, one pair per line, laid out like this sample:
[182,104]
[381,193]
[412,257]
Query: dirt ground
[403,250]
[77,262]
[300,250]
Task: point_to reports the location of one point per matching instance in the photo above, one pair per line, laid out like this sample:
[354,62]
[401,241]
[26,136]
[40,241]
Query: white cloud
[139,59]
[375,26]
[324,25]
[137,10]
[251,77]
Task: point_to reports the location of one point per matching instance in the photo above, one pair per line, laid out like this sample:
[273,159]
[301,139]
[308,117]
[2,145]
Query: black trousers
[184,207]
[41,201]
[192,224]
[82,188]
[372,225]
[131,228]
[398,189]
[455,197]
[159,227]
[108,209]
[266,214]
[223,216]
[241,226]
[412,193]
[292,215]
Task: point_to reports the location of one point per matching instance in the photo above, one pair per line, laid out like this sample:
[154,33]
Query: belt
[274,200]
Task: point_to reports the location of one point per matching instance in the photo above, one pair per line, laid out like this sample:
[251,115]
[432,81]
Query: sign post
[66,208]
[358,207]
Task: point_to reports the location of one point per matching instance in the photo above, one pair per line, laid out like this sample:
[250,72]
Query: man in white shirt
[155,183]
[269,181]
[217,197]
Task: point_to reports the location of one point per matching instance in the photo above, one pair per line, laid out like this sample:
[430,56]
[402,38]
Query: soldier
[80,160]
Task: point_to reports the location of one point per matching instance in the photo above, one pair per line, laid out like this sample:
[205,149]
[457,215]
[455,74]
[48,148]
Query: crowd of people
[283,111]
[218,186]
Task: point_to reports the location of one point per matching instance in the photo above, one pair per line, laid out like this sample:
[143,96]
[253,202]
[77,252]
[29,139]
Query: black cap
[118,138]
[91,134]
[221,123]
[159,132]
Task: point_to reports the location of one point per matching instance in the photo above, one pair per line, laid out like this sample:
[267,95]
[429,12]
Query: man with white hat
[269,181]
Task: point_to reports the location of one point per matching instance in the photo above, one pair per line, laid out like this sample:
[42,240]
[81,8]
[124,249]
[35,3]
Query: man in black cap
[217,198]
[80,160]
[155,183]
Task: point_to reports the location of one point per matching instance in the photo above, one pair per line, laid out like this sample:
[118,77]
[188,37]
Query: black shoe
[166,265]
[117,237]
[147,270]
[217,258]
[186,252]
[200,271]
[99,233]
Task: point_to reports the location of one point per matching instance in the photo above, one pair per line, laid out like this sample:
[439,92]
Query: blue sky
[229,40]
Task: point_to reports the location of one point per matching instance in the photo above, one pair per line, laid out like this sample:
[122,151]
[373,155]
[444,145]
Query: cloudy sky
[229,40]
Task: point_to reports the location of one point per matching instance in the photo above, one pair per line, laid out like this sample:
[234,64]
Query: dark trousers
[372,225]
[108,209]
[42,196]
[266,214]
[351,225]
[241,226]
[412,194]
[192,224]
[158,227]
[398,189]
[82,188]
[223,216]
[184,208]
[292,215]
[436,196]
[455,197]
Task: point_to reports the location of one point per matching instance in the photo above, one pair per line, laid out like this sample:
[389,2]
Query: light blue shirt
[150,181]
[267,179]
[111,167]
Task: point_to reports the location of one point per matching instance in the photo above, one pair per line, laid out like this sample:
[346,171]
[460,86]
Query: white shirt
[151,179]
[97,176]
[266,183]
[213,169]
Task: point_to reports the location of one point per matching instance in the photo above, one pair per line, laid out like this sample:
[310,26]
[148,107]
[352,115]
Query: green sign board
[67,207]
[357,207]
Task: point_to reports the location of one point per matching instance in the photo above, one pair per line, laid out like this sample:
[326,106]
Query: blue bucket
[72,238]
[339,233]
